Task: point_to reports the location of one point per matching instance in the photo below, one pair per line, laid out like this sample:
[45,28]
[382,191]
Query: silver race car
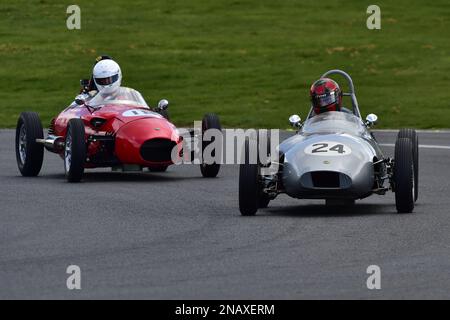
[335,157]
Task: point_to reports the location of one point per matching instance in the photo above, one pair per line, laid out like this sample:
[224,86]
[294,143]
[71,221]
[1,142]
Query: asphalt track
[176,235]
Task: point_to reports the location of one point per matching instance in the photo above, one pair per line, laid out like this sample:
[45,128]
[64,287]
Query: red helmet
[325,96]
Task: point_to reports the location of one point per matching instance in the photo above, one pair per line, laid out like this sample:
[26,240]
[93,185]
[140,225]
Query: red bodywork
[120,139]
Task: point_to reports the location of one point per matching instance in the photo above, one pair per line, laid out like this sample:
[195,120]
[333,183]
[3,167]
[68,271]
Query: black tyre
[411,134]
[75,150]
[210,121]
[404,175]
[29,154]
[162,168]
[249,186]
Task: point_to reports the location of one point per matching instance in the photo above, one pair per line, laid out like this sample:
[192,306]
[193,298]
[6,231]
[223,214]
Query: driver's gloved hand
[85,84]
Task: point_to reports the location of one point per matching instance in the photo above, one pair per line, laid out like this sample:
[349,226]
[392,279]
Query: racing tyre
[412,135]
[210,121]
[161,168]
[29,154]
[249,190]
[75,150]
[404,175]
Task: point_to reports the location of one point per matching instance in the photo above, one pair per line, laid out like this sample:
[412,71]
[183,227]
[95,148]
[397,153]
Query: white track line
[445,131]
[425,146]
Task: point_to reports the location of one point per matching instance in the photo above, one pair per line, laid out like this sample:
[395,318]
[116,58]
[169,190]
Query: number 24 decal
[328,149]
[322,147]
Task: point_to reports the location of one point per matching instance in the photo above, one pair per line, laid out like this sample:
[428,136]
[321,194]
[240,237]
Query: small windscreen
[123,95]
[333,122]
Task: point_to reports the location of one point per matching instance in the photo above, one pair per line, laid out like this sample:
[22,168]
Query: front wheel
[412,135]
[210,170]
[75,150]
[404,176]
[249,186]
[29,153]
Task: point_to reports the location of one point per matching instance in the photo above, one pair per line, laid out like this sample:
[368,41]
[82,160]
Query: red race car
[120,131]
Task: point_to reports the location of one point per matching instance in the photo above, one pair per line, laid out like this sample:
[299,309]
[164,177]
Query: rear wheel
[404,176]
[210,121]
[75,150]
[412,135]
[29,154]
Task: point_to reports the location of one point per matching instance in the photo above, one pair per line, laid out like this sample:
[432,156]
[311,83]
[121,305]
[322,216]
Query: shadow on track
[321,210]
[97,177]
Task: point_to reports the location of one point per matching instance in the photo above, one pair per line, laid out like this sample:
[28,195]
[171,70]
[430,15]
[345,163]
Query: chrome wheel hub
[23,144]
[68,152]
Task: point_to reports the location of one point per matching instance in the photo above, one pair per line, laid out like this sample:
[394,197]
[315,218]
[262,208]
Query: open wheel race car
[120,132]
[335,157]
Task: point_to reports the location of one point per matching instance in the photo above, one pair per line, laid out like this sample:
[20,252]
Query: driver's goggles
[107,81]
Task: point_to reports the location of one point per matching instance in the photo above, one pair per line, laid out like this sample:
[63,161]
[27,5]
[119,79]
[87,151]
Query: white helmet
[107,76]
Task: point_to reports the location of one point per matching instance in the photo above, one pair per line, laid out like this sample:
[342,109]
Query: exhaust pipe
[52,143]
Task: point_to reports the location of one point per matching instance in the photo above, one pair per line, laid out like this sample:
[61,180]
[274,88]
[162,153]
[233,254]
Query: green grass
[252,62]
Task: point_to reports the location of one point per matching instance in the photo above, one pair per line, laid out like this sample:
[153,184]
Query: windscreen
[334,122]
[122,96]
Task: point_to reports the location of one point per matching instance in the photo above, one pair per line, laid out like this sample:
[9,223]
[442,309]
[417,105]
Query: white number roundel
[328,148]
[141,113]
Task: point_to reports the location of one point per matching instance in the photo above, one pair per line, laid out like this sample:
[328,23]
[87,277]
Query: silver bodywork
[308,159]
[332,156]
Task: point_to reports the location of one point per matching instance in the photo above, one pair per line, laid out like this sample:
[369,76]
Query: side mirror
[371,120]
[163,104]
[295,121]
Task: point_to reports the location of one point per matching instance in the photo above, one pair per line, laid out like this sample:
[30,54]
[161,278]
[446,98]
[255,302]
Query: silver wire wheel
[68,151]
[75,150]
[23,144]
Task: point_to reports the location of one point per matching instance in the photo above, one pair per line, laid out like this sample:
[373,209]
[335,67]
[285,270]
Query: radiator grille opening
[157,150]
[325,179]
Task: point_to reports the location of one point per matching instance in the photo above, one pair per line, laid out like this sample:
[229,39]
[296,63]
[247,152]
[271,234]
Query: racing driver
[106,79]
[326,96]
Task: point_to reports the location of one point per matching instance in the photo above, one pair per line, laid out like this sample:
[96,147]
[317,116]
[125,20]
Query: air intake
[325,179]
[157,150]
